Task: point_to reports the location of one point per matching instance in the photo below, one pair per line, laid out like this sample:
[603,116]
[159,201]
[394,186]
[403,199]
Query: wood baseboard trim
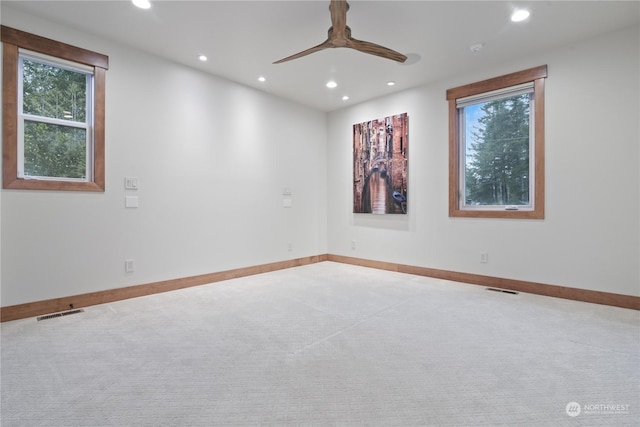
[584,295]
[38,308]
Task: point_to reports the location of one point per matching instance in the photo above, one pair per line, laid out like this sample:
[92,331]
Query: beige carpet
[325,344]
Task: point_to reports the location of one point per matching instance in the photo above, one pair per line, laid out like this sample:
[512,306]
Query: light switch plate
[131,201]
[131,183]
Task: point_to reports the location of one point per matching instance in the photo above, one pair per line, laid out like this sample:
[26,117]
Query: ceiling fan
[340,36]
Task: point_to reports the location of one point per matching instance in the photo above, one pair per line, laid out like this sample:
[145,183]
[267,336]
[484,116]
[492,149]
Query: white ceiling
[243,38]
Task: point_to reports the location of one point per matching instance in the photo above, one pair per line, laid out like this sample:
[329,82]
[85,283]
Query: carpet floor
[326,344]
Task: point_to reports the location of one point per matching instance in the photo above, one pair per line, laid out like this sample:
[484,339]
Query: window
[53,115]
[496,147]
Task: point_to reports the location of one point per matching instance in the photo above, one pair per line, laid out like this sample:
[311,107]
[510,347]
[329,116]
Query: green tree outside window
[54,104]
[497,154]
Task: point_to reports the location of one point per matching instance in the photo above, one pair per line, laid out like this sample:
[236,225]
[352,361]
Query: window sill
[34,184]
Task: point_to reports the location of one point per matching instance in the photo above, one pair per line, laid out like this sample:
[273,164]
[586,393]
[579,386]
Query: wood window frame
[13,40]
[536,75]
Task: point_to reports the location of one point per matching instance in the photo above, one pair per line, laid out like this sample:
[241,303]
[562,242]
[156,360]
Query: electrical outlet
[353,244]
[290,246]
[484,257]
[129,266]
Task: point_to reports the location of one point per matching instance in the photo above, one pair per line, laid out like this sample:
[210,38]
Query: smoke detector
[476,47]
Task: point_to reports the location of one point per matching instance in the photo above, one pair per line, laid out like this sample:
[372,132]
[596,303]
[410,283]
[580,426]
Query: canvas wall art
[380,165]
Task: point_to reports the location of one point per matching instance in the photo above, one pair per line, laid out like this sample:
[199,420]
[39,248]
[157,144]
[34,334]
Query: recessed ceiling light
[262,79]
[520,15]
[202,58]
[142,4]
[391,83]
[331,84]
[345,98]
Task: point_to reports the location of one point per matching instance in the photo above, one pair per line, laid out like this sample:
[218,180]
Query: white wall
[212,158]
[590,235]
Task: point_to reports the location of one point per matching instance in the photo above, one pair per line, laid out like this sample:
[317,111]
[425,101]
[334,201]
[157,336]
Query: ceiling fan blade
[340,36]
[375,49]
[324,45]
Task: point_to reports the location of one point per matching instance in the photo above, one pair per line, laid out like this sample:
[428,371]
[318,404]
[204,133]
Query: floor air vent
[64,313]
[504,291]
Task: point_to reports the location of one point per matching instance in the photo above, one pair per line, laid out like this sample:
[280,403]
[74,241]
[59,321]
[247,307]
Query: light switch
[131,183]
[287,203]
[131,201]
[286,191]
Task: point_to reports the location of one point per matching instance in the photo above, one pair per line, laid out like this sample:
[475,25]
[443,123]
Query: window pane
[53,92]
[54,150]
[496,163]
